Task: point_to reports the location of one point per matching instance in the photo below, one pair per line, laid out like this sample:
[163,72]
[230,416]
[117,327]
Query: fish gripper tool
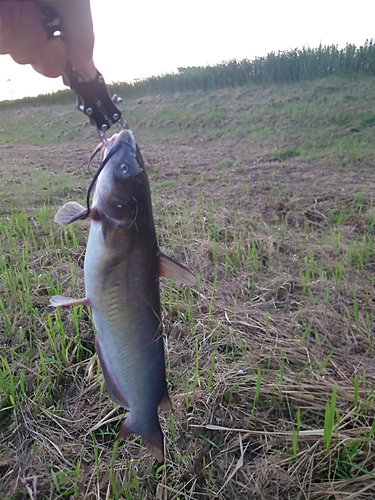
[94,100]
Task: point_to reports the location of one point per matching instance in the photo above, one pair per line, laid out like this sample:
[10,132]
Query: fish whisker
[102,165]
[135,216]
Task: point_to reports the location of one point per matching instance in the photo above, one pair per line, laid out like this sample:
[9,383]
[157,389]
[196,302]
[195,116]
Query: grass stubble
[270,359]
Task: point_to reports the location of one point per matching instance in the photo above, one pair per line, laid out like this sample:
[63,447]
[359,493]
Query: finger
[78,33]
[21,32]
[6,26]
[52,59]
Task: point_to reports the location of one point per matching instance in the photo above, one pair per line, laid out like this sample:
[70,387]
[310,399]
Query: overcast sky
[140,38]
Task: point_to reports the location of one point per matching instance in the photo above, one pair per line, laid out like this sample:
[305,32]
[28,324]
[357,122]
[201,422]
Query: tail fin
[154,444]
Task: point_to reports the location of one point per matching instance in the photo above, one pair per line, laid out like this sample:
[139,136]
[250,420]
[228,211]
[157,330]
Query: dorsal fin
[170,268]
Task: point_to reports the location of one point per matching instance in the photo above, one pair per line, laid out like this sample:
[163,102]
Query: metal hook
[123,123]
[102,136]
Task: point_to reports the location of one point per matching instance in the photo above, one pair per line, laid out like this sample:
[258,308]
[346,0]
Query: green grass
[266,193]
[293,65]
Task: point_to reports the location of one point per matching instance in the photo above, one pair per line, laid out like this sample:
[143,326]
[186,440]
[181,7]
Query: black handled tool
[93,98]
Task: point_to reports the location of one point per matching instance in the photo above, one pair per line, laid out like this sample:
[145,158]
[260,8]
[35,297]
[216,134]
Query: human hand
[23,36]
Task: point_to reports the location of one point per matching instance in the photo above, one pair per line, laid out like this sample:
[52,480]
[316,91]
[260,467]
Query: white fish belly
[129,344]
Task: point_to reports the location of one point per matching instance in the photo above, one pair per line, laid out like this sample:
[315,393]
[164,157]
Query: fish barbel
[122,267]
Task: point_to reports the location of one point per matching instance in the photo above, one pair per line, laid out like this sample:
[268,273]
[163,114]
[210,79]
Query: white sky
[140,38]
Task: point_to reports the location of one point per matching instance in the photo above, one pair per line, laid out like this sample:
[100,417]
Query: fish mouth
[126,138]
[127,143]
[132,160]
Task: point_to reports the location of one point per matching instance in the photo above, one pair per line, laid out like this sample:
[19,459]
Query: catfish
[122,267]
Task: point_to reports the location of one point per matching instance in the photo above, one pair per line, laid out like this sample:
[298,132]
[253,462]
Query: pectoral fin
[170,268]
[69,213]
[60,301]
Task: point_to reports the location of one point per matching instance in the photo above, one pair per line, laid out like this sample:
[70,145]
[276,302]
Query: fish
[122,267]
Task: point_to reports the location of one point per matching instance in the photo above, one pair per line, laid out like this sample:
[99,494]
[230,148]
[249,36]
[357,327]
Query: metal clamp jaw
[94,101]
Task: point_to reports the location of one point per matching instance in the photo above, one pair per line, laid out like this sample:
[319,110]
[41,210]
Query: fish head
[117,183]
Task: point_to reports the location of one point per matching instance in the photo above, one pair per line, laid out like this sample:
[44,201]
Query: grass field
[267,193]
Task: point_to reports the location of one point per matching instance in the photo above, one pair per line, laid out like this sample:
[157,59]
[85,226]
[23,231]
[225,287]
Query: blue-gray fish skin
[122,269]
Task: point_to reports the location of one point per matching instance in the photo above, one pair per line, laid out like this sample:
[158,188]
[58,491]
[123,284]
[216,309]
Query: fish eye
[124,168]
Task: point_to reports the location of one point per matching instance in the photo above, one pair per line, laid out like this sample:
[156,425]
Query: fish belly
[129,341]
